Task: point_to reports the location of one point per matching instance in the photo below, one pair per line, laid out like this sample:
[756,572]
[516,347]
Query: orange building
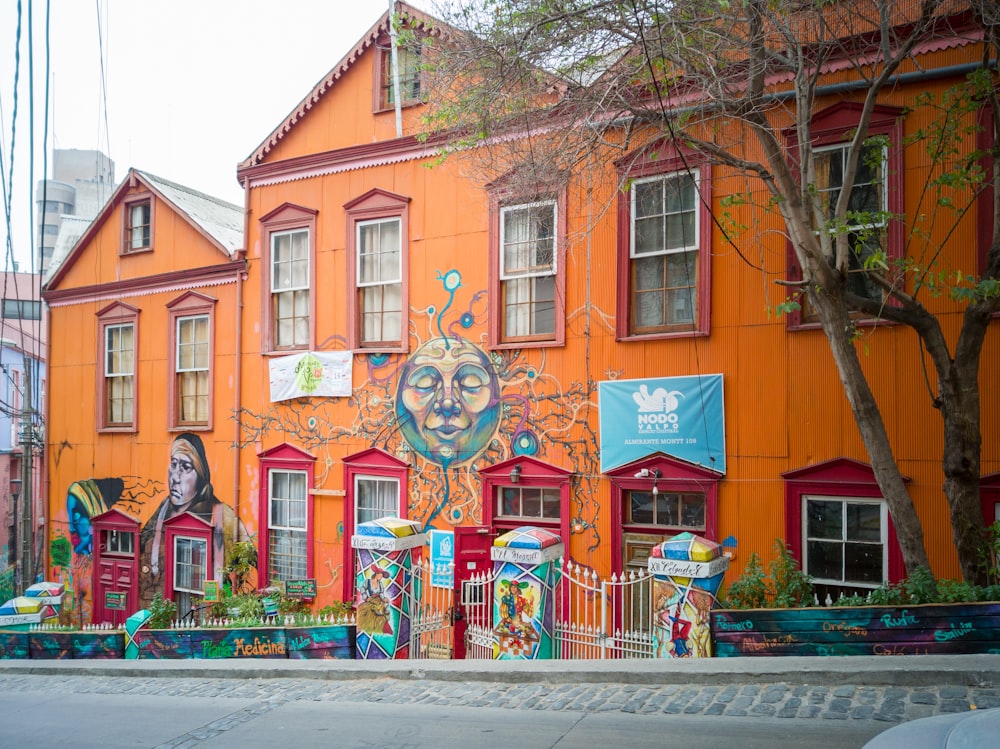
[141,393]
[415,339]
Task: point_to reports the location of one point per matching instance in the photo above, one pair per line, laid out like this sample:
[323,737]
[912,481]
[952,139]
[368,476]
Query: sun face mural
[448,401]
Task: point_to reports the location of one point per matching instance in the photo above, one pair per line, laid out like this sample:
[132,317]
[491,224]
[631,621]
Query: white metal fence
[593,618]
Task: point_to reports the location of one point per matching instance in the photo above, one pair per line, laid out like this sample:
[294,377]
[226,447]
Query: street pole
[26,434]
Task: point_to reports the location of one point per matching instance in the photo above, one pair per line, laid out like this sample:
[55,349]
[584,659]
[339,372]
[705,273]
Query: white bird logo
[658,401]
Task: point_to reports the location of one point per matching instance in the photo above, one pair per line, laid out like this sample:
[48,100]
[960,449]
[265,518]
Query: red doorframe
[472,555]
[115,571]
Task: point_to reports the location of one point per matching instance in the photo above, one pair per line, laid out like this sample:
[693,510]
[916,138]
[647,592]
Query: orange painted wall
[784,406]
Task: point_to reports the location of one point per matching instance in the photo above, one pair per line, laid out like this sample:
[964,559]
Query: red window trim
[185,525]
[286,217]
[284,457]
[989,496]
[373,205]
[117,313]
[191,304]
[663,158]
[500,197]
[533,473]
[124,248]
[377,463]
[675,476]
[840,477]
[830,127]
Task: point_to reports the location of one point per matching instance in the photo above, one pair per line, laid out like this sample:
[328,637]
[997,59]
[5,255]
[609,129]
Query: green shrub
[786,586]
[792,587]
[749,590]
[162,611]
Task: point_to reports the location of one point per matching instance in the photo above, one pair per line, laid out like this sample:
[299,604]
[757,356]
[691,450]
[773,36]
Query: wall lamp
[515,473]
[646,473]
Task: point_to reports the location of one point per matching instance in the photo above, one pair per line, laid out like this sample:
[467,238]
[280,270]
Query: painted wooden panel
[321,642]
[98,645]
[867,630]
[13,644]
[50,645]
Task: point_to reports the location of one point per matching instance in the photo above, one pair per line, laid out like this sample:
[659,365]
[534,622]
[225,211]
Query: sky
[190,87]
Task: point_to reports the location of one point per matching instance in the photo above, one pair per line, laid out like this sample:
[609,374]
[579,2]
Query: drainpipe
[238,368]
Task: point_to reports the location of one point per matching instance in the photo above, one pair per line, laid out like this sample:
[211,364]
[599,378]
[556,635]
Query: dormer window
[137,224]
[408,58]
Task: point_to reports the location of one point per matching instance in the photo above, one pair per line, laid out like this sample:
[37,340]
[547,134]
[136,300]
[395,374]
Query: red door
[472,555]
[114,575]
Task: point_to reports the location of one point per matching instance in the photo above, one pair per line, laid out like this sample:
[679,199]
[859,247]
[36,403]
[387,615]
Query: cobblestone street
[846,702]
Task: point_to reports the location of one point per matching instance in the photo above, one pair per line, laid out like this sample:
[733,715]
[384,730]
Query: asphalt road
[41,712]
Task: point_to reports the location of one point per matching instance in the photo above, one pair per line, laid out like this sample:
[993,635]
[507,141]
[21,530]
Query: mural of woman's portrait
[448,401]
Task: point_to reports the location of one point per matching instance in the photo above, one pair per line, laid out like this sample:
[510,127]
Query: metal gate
[603,619]
[594,618]
[431,608]
[477,607]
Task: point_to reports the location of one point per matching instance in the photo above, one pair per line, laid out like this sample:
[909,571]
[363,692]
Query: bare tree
[536,87]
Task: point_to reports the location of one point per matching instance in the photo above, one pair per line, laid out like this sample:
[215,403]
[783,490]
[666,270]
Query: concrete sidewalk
[904,671]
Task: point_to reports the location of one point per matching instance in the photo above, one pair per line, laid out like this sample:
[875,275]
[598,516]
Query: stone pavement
[891,704]
[890,689]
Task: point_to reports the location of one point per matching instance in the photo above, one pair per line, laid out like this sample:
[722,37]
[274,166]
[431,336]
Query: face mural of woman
[448,401]
[184,479]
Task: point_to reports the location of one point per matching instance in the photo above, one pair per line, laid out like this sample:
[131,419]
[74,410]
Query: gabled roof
[220,222]
[413,18]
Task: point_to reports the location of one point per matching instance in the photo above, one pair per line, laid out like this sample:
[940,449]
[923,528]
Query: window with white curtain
[287,525]
[119,370]
[379,280]
[528,270]
[137,231]
[192,362]
[375,498]
[290,288]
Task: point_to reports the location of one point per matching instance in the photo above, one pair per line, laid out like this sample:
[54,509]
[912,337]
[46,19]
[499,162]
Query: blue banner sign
[442,545]
[679,416]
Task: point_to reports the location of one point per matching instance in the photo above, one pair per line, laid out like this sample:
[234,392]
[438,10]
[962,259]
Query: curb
[981,671]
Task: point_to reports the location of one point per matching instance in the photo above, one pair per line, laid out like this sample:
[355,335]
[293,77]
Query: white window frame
[194,369]
[114,376]
[139,236]
[552,491]
[180,560]
[529,271]
[280,288]
[381,283]
[692,245]
[273,528]
[363,478]
[883,540]
[883,192]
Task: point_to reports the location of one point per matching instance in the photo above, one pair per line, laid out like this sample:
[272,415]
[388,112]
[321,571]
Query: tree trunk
[960,408]
[839,329]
